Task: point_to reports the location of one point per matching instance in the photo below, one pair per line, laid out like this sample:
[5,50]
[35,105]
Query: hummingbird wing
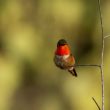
[69,62]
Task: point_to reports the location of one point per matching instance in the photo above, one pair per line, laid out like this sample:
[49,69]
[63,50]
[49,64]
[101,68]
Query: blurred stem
[106,36]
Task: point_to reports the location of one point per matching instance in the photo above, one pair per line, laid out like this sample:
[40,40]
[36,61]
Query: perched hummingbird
[63,57]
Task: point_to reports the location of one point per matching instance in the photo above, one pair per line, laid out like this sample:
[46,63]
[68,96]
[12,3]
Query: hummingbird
[63,57]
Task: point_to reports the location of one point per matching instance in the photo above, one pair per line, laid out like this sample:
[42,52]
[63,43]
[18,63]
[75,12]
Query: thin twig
[87,65]
[96,103]
[102,55]
[106,36]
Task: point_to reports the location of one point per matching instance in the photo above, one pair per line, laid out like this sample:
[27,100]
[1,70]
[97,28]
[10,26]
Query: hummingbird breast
[65,61]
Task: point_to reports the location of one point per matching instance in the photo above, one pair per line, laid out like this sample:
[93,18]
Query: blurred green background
[29,31]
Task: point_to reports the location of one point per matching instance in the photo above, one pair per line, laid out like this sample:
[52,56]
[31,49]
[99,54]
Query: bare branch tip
[96,103]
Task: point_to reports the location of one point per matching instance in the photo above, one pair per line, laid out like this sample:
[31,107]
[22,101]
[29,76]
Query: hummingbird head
[61,42]
[62,48]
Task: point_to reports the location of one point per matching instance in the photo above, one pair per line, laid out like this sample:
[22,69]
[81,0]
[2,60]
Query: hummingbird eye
[61,42]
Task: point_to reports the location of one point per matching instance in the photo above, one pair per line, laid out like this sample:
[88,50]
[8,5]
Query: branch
[102,59]
[96,103]
[102,55]
[106,36]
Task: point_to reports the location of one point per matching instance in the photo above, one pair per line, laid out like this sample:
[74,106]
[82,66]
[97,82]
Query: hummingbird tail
[73,72]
